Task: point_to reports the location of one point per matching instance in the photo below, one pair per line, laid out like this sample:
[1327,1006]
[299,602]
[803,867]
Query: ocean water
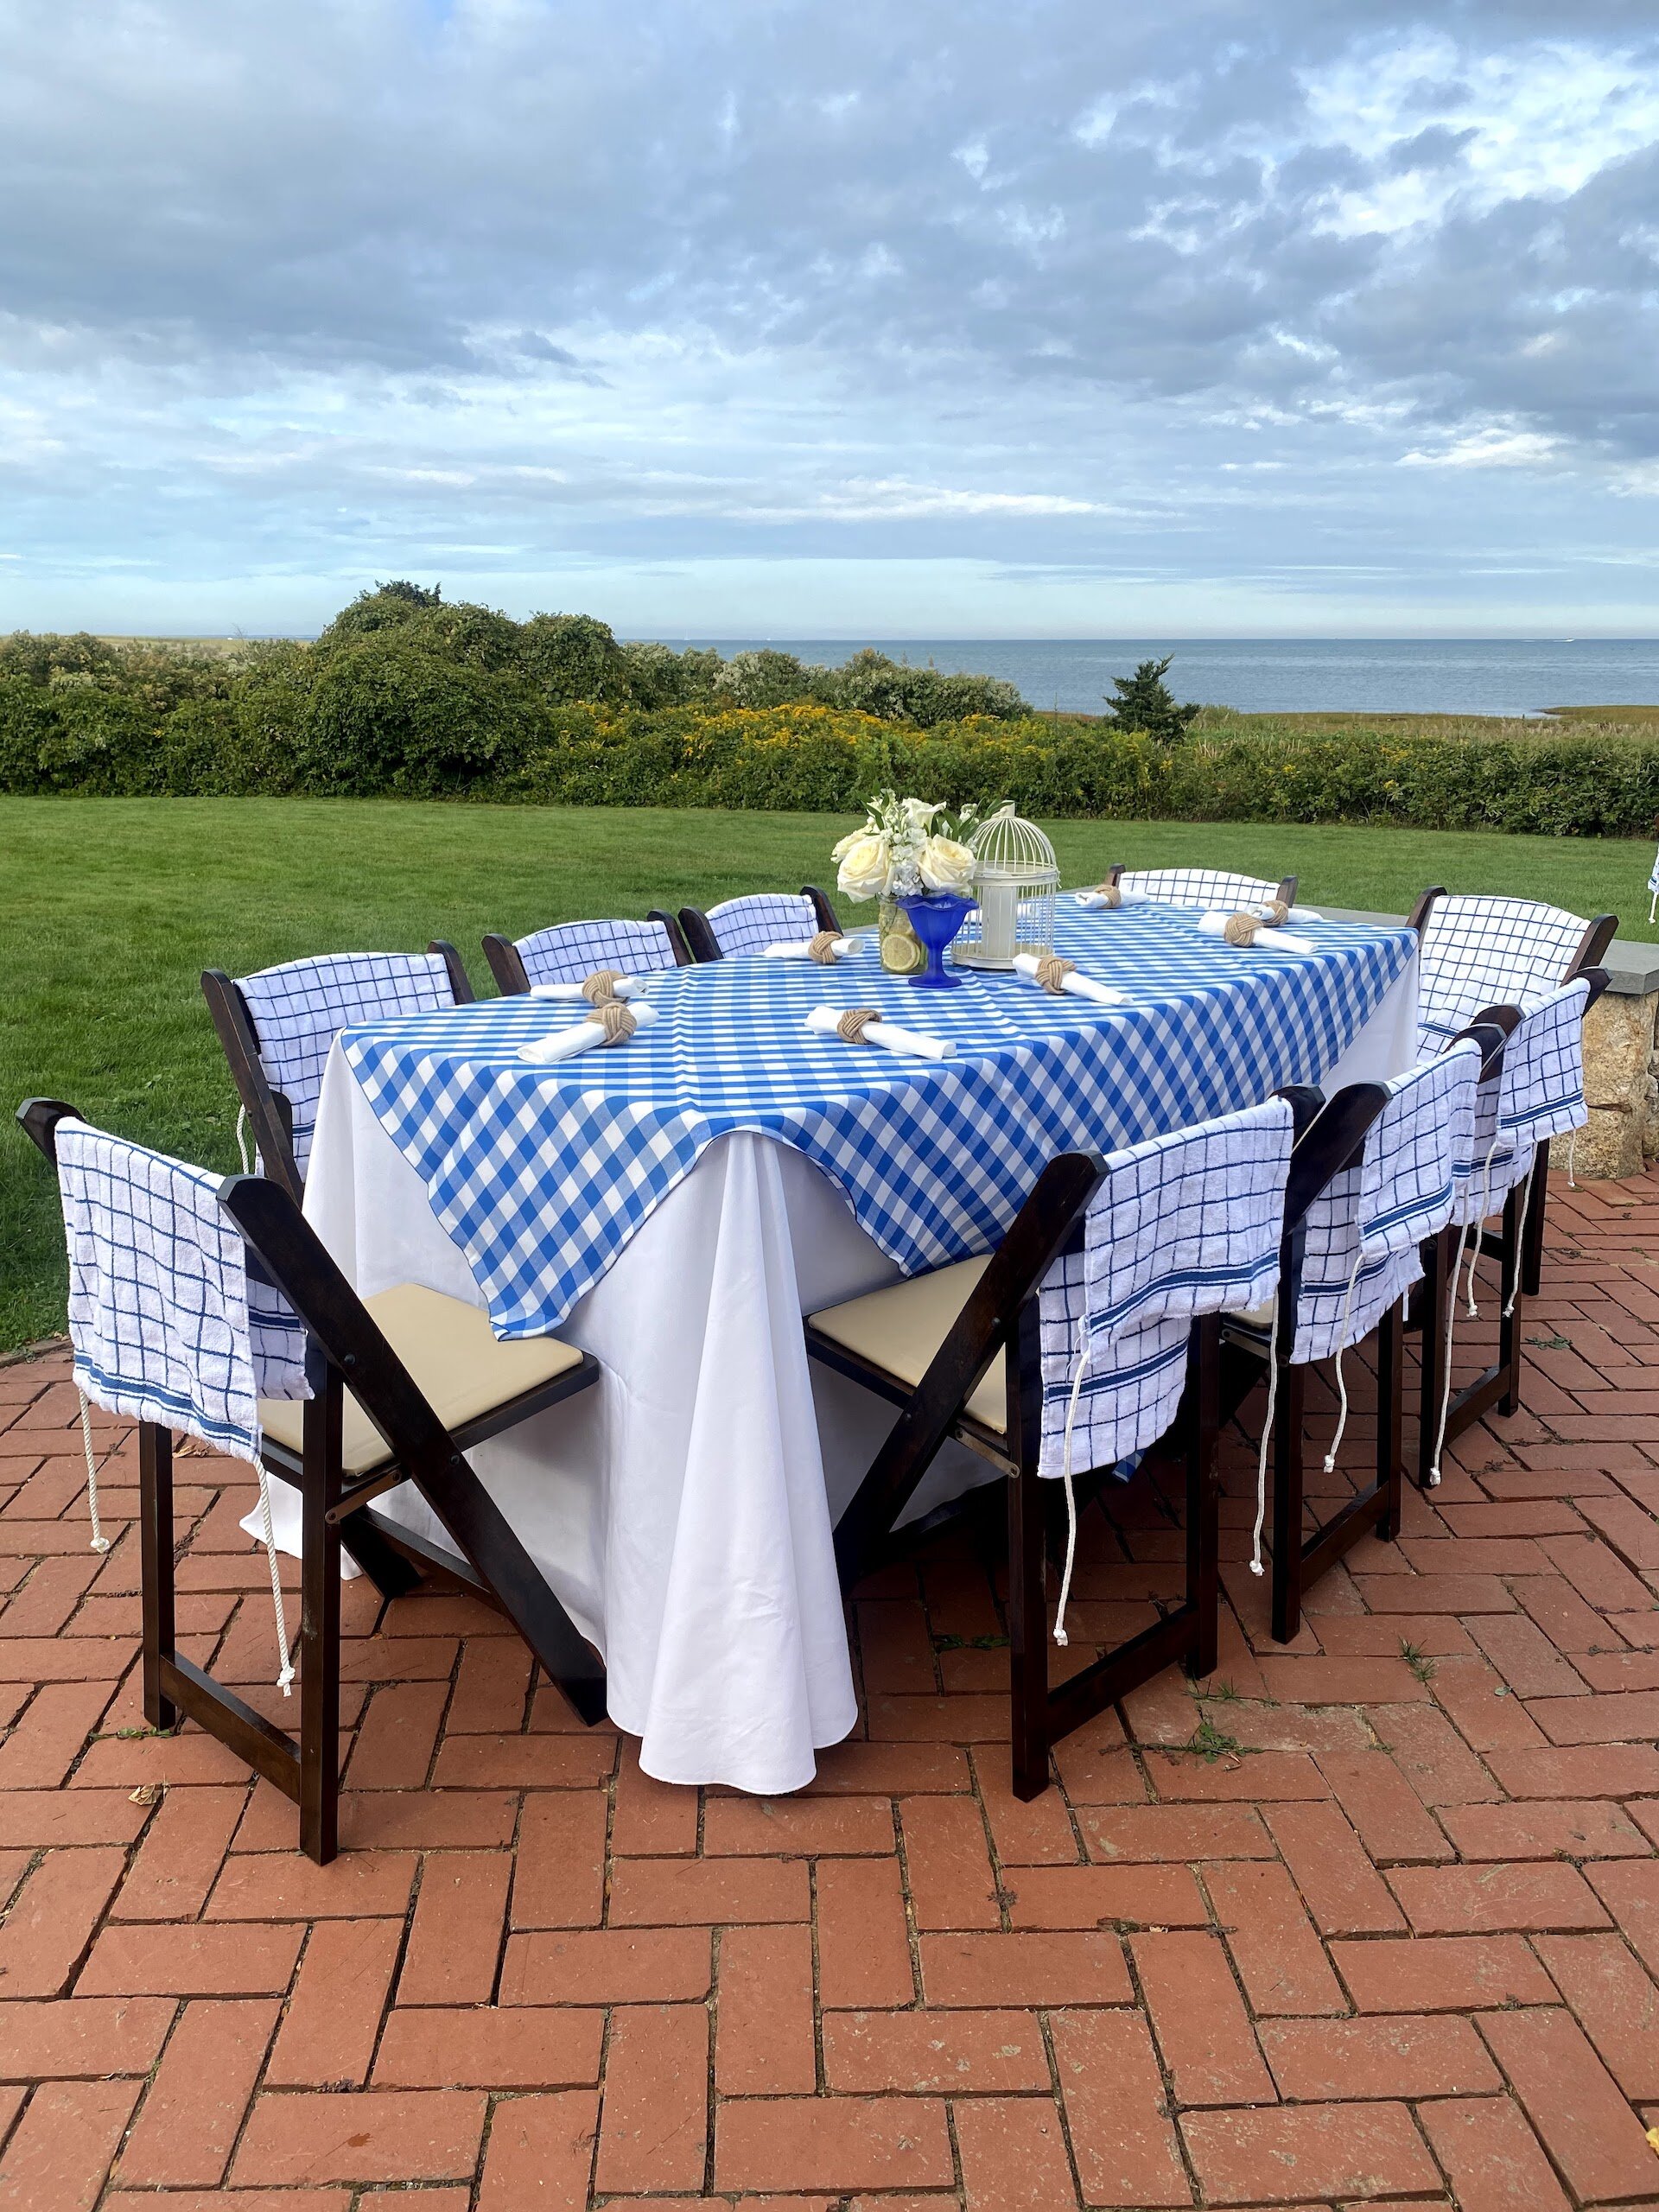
[1398,676]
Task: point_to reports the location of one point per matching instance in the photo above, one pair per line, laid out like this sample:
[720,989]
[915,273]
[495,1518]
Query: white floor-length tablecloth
[682,1509]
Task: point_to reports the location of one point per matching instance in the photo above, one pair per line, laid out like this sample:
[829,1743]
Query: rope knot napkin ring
[1261,930]
[618,1022]
[600,988]
[1108,892]
[1052,972]
[821,947]
[868,1025]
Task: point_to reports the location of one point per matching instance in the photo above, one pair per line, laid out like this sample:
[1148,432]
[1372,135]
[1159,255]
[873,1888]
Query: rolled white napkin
[796,949]
[1080,987]
[580,1037]
[1268,940]
[625,986]
[890,1035]
[1097,902]
[1294,914]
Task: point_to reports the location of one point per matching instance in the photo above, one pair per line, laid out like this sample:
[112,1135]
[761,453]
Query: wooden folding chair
[403,1384]
[750,924]
[568,951]
[1330,1142]
[1480,950]
[1516,1245]
[959,1351]
[275,1028]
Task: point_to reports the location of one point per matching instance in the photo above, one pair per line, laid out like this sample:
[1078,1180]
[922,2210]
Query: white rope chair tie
[1257,1567]
[1342,1380]
[242,1139]
[1080,1367]
[1525,1207]
[285,1671]
[1451,1330]
[100,1541]
[1480,1224]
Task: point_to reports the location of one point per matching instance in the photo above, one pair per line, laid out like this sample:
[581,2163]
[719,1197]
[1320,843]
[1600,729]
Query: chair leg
[320,1628]
[1437,1260]
[1390,1348]
[1532,1263]
[1028,1630]
[1288,1504]
[392,1575]
[1203,1500]
[1512,1277]
[156,1567]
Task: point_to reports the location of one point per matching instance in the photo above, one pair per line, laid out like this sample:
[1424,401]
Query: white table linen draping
[684,1509]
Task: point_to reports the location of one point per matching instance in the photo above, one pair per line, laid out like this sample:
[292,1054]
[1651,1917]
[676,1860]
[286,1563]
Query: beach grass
[110,908]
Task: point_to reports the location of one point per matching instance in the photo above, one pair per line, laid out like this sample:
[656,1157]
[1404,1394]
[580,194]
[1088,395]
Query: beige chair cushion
[448,1350]
[1254,1316]
[899,1330]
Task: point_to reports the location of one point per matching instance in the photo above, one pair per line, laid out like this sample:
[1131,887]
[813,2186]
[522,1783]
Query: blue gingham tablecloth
[541,1174]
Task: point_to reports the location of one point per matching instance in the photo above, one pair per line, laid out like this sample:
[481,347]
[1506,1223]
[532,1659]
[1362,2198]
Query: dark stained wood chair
[750,924]
[568,951]
[276,1026]
[1332,1138]
[958,1351]
[1516,1245]
[403,1384]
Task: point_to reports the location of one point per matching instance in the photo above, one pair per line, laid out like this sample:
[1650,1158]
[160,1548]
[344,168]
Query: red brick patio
[1392,1938]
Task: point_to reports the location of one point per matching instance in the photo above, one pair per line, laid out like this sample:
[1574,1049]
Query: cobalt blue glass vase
[937,917]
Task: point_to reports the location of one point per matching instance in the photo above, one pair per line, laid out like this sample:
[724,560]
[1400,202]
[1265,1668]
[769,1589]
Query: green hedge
[450,730]
[408,696]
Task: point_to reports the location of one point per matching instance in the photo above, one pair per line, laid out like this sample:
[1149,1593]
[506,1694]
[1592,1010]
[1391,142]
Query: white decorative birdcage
[1016,879]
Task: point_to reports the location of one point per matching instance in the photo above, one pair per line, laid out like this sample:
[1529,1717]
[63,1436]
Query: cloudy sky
[834,317]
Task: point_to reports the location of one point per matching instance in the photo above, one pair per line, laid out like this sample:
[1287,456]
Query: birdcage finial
[1016,877]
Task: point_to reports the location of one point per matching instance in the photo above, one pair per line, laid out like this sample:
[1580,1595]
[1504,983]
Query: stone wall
[1619,1087]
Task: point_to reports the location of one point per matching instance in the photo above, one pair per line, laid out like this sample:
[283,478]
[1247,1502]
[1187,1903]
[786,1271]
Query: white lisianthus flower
[865,863]
[945,865]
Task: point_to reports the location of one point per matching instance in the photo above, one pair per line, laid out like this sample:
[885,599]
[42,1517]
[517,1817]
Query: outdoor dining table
[674,1204]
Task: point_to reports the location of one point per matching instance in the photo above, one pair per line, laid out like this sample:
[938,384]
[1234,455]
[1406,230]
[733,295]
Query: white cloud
[1489,449]
[1541,118]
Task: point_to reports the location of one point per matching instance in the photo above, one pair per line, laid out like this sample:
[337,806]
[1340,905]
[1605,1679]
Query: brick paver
[1395,1937]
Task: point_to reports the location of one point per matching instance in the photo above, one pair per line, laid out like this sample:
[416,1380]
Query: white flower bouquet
[907,846]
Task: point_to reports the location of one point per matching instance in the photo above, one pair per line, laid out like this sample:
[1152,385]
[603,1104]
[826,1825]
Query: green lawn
[110,908]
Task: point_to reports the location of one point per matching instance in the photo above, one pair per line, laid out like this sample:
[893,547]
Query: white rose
[865,863]
[945,865]
[852,837]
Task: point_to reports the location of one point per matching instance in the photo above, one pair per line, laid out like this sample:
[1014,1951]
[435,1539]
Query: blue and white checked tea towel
[300,1007]
[166,1325]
